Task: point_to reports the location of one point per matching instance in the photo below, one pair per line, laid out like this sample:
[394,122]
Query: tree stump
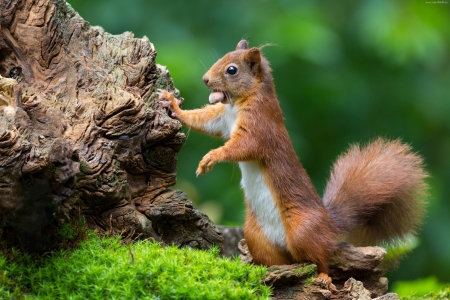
[82,133]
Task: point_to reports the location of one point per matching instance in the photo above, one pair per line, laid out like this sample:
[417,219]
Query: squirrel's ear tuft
[243,45]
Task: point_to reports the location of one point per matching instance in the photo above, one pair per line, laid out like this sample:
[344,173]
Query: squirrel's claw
[206,164]
[166,104]
[169,101]
[325,281]
[203,168]
[164,95]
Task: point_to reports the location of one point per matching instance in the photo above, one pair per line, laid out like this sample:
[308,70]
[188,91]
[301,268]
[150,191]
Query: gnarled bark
[82,132]
[354,271]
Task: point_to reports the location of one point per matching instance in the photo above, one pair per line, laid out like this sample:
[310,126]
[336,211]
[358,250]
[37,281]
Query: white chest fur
[261,203]
[225,124]
[256,190]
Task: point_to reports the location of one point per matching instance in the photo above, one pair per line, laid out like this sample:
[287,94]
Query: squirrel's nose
[205,80]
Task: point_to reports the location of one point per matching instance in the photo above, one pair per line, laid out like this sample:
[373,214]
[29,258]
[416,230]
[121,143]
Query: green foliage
[397,251]
[103,268]
[426,288]
[345,71]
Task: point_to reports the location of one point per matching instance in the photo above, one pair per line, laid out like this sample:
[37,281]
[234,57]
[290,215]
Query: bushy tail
[375,193]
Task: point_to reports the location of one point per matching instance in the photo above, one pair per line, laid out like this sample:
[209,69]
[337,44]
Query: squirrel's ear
[243,44]
[253,56]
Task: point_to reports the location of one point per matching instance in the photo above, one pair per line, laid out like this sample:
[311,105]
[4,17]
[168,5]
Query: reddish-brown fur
[367,186]
[263,252]
[390,202]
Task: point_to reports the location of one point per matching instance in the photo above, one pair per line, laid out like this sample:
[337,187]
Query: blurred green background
[345,71]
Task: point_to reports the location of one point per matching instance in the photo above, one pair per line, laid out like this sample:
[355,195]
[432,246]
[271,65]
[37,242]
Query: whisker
[217,55]
[228,96]
[203,64]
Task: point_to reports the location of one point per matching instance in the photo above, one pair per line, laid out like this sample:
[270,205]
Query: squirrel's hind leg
[262,250]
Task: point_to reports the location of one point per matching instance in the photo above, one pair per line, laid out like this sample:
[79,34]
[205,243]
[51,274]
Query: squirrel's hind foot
[326,281]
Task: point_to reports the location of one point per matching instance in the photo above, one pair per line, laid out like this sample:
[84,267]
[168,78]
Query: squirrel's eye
[232,70]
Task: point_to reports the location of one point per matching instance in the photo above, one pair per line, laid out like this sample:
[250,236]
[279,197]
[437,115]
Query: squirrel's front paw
[207,163]
[169,101]
[164,95]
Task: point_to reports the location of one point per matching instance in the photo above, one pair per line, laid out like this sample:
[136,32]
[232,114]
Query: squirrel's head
[237,74]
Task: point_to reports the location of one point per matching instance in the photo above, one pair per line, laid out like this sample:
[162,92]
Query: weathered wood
[82,132]
[354,271]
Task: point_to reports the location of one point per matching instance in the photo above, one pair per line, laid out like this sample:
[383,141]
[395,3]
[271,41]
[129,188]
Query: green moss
[103,268]
[439,295]
[84,168]
[309,271]
[71,234]
[67,232]
[425,288]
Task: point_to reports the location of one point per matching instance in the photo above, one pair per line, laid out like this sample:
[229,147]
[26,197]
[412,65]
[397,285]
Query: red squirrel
[373,195]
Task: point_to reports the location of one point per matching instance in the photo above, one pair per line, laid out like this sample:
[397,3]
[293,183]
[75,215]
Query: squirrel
[374,193]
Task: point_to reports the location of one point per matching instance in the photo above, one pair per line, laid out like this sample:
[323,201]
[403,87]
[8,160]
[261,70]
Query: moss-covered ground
[420,289]
[105,268]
